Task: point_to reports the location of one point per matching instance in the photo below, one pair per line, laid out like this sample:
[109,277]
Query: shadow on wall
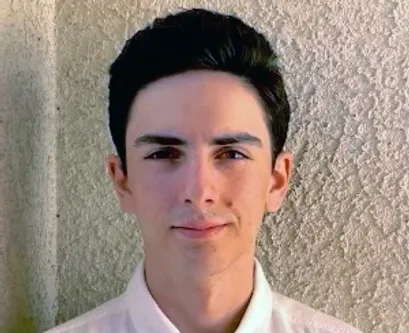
[16,161]
[24,277]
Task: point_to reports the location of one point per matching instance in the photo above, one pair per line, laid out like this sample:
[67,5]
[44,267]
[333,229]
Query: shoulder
[301,318]
[111,316]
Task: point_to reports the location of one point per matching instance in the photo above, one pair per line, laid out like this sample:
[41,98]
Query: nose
[198,180]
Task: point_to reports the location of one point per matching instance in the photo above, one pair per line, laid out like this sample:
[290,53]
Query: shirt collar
[148,317]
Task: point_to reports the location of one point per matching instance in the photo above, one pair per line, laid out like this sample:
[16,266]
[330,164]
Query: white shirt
[135,311]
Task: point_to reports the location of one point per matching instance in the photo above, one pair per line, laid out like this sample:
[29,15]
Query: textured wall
[340,243]
[27,160]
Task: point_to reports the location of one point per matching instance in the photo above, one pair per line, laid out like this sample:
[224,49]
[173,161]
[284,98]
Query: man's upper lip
[200,225]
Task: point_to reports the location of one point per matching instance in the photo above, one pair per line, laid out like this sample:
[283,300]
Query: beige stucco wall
[27,159]
[341,242]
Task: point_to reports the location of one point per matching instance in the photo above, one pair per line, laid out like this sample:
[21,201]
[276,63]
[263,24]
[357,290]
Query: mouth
[200,231]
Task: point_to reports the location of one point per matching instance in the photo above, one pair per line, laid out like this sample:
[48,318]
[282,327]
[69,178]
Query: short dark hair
[197,39]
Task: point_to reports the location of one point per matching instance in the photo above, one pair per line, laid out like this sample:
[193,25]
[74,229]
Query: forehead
[197,103]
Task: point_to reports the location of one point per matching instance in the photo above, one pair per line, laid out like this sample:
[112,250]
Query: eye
[167,153]
[232,154]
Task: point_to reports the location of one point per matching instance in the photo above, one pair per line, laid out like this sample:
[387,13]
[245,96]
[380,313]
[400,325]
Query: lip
[201,225]
[200,229]
[200,233]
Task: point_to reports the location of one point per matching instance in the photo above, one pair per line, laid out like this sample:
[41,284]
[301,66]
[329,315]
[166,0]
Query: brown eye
[165,154]
[232,154]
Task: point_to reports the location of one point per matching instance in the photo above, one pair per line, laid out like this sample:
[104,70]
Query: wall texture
[27,159]
[341,242]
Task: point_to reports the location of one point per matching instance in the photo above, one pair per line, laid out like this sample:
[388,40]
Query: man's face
[199,156]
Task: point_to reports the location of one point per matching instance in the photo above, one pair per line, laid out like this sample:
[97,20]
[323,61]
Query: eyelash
[233,151]
[168,151]
[161,152]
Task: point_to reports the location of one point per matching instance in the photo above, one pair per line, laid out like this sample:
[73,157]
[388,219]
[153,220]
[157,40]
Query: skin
[202,285]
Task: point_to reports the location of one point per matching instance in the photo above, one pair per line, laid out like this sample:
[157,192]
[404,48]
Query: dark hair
[197,39]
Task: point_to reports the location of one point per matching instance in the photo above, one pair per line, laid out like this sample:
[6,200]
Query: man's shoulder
[111,316]
[302,318]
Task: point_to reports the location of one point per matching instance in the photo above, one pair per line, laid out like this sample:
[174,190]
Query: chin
[210,263]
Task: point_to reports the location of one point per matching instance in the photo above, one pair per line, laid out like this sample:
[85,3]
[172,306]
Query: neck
[207,303]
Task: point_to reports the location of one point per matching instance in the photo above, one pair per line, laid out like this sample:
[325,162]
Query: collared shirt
[135,311]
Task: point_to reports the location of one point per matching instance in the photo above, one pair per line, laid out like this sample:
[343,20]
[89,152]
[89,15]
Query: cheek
[150,194]
[249,195]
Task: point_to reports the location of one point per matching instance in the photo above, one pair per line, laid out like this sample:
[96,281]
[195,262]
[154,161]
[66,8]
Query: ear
[280,179]
[120,181]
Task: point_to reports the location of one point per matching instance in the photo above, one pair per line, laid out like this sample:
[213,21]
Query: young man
[199,116]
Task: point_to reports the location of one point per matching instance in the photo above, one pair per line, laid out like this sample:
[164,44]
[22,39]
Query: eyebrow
[221,140]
